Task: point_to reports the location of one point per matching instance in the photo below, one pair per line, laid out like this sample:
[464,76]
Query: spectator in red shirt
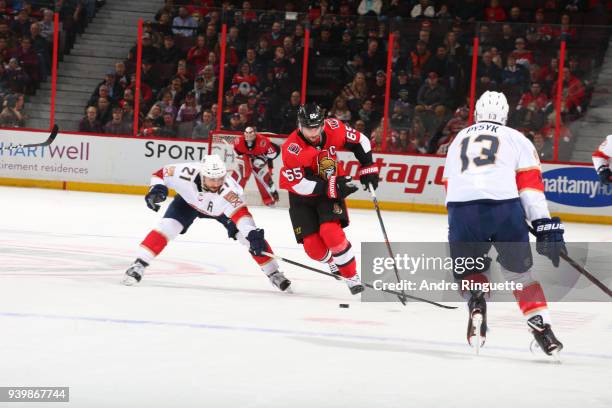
[521,54]
[495,13]
[419,58]
[534,99]
[531,109]
[565,31]
[539,33]
[453,126]
[198,54]
[244,82]
[199,6]
[572,95]
[248,15]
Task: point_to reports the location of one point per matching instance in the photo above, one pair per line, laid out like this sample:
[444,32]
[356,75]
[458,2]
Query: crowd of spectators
[26,45]
[429,82]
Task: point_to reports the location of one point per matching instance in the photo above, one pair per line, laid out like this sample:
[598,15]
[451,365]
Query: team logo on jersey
[298,230]
[326,165]
[337,209]
[333,123]
[294,148]
[233,199]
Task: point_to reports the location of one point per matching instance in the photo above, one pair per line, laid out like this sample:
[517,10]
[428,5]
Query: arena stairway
[591,130]
[107,40]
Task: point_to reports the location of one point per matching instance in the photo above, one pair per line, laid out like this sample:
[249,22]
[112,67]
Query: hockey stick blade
[392,292]
[49,140]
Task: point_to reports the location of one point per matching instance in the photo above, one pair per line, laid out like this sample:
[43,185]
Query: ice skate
[544,337]
[279,280]
[134,273]
[477,324]
[354,284]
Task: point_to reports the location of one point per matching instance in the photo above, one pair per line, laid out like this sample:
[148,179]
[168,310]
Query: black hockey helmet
[310,115]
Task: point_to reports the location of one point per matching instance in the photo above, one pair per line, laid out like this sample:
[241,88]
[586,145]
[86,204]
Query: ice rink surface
[205,328]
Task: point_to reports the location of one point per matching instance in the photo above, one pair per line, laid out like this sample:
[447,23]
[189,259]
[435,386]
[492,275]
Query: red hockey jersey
[262,147]
[306,165]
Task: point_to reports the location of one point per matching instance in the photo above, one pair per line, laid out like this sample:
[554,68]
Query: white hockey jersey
[229,200]
[487,161]
[601,156]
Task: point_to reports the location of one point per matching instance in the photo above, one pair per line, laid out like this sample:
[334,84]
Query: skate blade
[554,354]
[129,281]
[477,323]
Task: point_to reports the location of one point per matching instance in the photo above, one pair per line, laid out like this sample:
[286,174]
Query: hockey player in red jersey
[203,191]
[257,153]
[317,191]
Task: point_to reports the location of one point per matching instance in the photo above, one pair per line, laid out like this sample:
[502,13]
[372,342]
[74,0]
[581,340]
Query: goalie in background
[256,153]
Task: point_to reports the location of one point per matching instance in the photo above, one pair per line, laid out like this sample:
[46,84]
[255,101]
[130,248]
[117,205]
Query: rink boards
[124,165]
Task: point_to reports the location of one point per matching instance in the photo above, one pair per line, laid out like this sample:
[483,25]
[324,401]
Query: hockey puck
[343,305]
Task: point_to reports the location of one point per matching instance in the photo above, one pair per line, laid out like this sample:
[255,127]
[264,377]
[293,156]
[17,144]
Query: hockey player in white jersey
[601,160]
[494,183]
[203,191]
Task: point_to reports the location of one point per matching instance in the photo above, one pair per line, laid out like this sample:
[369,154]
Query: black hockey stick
[392,292]
[580,269]
[384,231]
[47,142]
[586,274]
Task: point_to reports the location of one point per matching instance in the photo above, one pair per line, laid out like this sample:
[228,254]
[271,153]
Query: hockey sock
[532,301]
[316,249]
[342,251]
[156,240]
[152,245]
[268,265]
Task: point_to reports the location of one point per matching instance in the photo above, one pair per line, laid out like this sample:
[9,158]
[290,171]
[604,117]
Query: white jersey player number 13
[494,184]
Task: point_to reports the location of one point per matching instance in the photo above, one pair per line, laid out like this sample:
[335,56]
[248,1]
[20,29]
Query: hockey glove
[340,186]
[229,225]
[259,161]
[605,174]
[369,175]
[257,242]
[549,238]
[157,194]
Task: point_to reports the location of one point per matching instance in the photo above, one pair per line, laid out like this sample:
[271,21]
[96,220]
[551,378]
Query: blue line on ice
[253,329]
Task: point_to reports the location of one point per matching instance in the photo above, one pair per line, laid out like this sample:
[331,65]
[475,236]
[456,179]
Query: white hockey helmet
[492,107]
[213,167]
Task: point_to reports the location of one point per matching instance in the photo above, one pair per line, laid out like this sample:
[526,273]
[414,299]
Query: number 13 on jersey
[487,155]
